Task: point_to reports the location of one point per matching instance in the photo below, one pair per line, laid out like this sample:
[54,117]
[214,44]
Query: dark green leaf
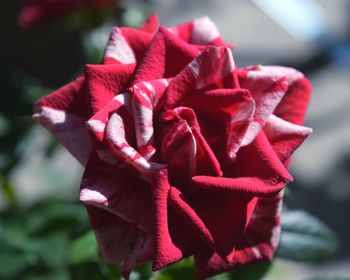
[4,125]
[54,216]
[251,272]
[305,238]
[61,274]
[12,264]
[49,251]
[181,270]
[83,249]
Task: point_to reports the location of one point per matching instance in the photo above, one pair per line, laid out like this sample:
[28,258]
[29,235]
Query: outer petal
[267,88]
[116,237]
[151,24]
[201,31]
[285,137]
[258,243]
[260,238]
[63,113]
[118,191]
[218,218]
[126,45]
[293,106]
[142,252]
[120,241]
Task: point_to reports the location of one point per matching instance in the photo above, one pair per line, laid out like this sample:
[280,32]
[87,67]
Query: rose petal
[207,69]
[265,176]
[97,124]
[151,24]
[267,89]
[165,57]
[201,210]
[293,106]
[266,165]
[69,129]
[116,238]
[118,191]
[179,149]
[223,112]
[285,137]
[63,113]
[118,49]
[258,243]
[117,141]
[106,81]
[271,176]
[174,239]
[206,161]
[182,142]
[143,251]
[201,31]
[145,99]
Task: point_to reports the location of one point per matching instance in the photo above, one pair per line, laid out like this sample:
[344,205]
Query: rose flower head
[184,153]
[38,11]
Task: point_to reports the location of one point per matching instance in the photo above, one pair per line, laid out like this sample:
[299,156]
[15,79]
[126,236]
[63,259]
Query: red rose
[185,153]
[36,11]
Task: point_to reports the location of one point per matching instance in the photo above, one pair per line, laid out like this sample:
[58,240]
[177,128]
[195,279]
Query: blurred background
[44,233]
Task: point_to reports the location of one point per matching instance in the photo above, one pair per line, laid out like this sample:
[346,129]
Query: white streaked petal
[150,87]
[119,49]
[291,73]
[69,129]
[276,126]
[116,135]
[251,133]
[204,31]
[123,98]
[96,125]
[93,196]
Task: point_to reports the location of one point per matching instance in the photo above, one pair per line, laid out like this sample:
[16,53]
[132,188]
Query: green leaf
[12,264]
[251,272]
[49,251]
[305,238]
[83,249]
[54,216]
[8,191]
[95,270]
[183,270]
[4,125]
[52,250]
[61,274]
[222,276]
